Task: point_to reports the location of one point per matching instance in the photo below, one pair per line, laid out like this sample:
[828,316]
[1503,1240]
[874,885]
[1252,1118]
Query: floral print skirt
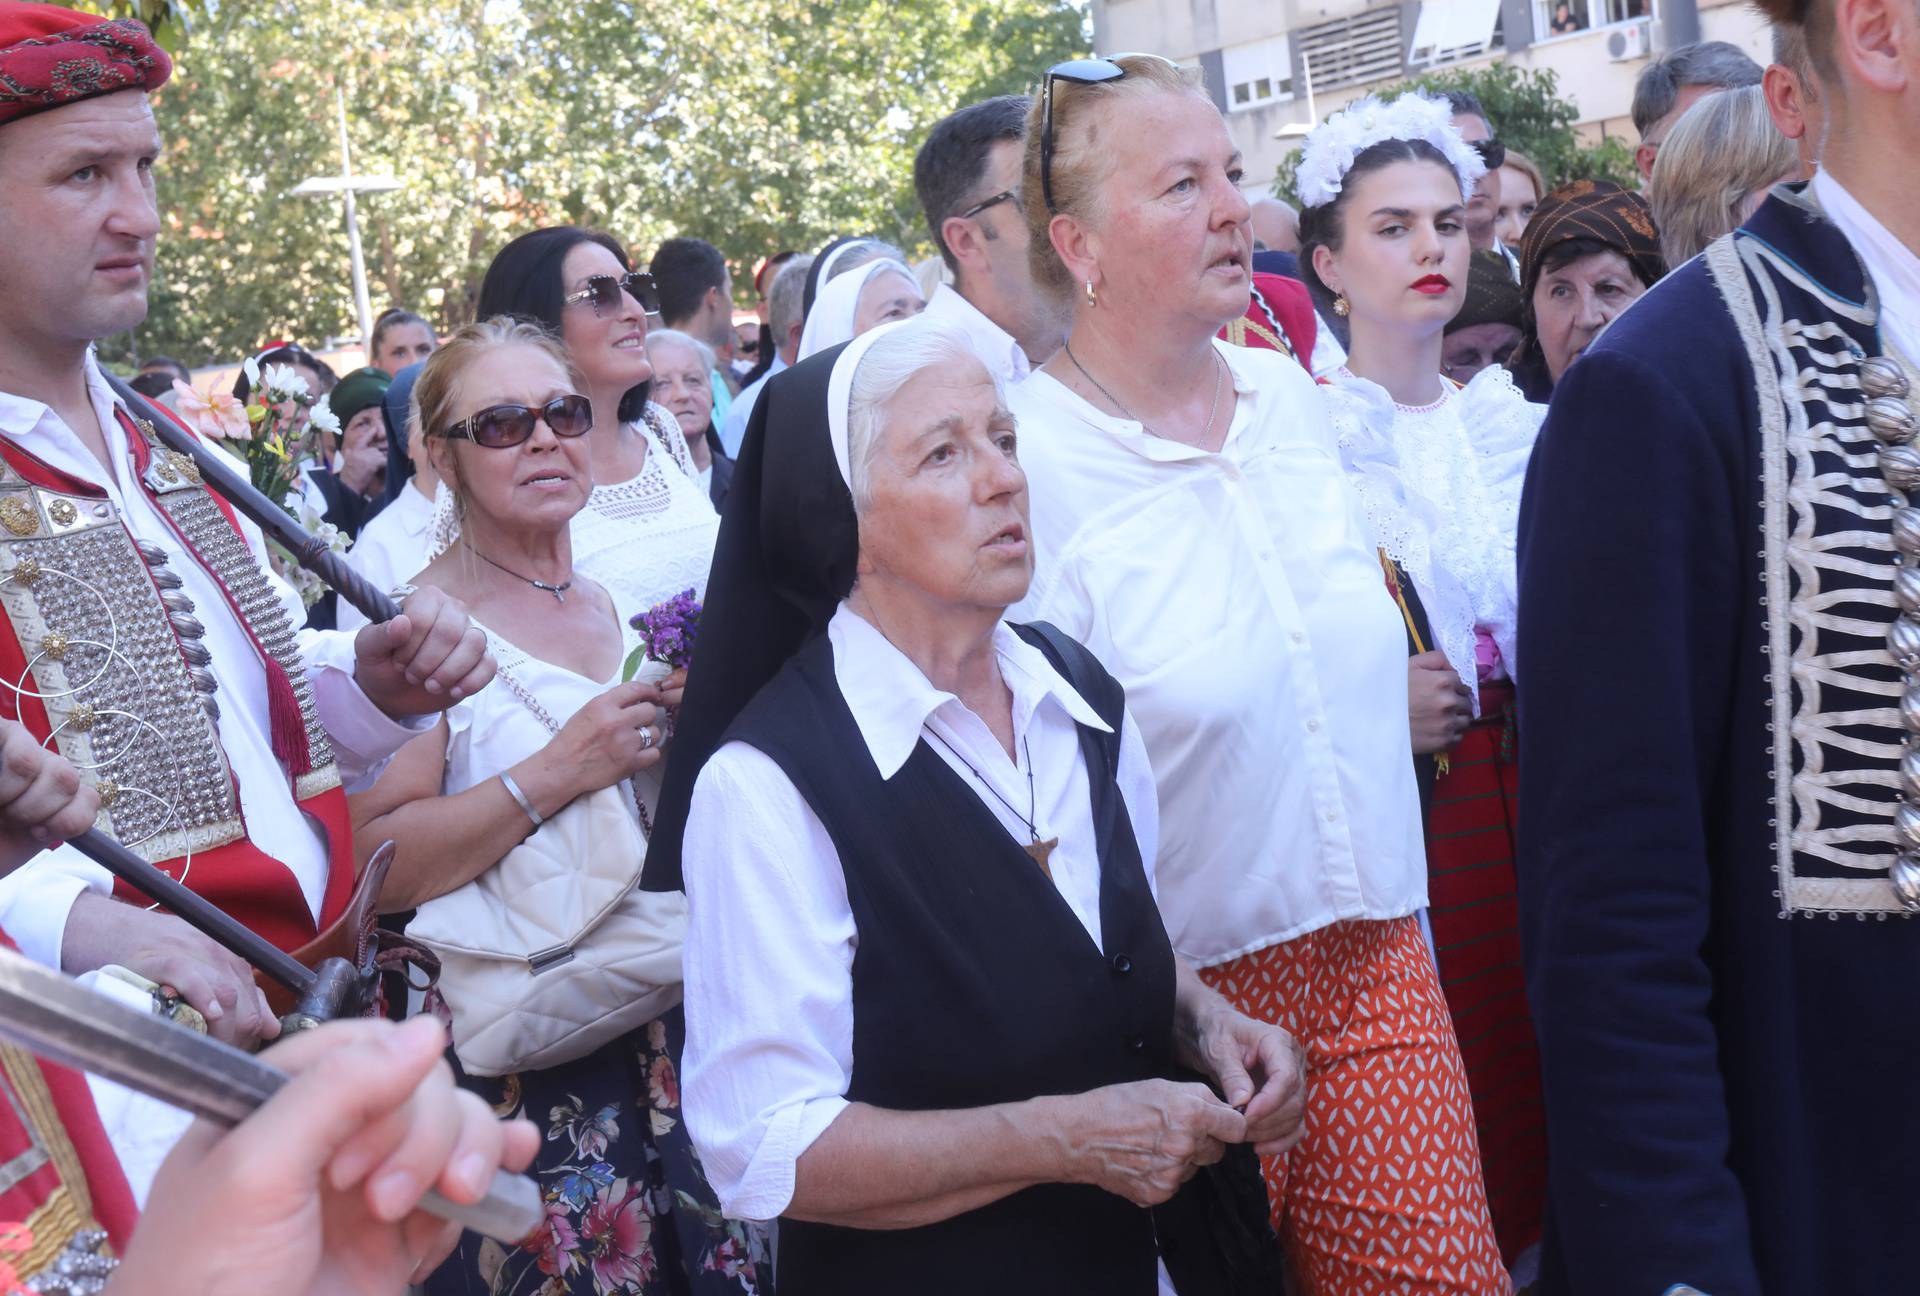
[629,1212]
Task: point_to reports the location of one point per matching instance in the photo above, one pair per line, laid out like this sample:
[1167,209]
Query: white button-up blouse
[771,935]
[1240,599]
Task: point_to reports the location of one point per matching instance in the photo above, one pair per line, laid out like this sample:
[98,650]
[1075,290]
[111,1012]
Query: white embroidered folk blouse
[771,936]
[1239,598]
[1440,484]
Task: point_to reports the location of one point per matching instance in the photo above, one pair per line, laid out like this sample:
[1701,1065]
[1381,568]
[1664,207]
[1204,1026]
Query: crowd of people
[732,665]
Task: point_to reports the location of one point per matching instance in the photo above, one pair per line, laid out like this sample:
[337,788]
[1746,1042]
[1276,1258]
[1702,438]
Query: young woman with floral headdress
[1439,467]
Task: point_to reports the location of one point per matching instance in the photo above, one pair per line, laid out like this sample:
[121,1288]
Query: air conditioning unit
[1630,41]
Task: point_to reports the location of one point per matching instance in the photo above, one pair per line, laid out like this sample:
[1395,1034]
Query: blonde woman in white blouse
[1195,529]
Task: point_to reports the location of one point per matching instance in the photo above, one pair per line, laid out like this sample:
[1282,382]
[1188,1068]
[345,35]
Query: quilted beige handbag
[556,950]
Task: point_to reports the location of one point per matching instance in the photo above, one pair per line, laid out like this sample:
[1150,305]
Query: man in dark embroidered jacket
[1718,874]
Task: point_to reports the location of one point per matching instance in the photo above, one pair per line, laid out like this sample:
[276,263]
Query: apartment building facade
[1276,66]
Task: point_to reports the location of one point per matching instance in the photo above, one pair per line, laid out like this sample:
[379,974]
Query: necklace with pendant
[559,591]
[1037,850]
[1213,410]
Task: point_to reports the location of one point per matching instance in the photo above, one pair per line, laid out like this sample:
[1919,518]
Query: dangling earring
[1093,298]
[1340,306]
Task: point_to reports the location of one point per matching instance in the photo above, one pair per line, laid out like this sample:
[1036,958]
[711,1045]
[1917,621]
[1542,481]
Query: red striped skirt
[1476,934]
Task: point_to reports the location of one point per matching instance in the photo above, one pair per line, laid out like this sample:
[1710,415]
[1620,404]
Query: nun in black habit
[934,1022]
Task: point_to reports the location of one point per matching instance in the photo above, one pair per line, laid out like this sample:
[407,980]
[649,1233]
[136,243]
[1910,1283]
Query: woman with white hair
[1197,530]
[935,1024]
[681,365]
[1715,169]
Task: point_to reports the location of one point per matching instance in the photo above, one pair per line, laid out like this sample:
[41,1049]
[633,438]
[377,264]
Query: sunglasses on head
[1091,71]
[500,427]
[1491,151]
[604,292]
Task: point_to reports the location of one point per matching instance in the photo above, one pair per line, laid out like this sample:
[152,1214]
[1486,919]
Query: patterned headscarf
[1492,295]
[50,57]
[1586,209]
[1594,209]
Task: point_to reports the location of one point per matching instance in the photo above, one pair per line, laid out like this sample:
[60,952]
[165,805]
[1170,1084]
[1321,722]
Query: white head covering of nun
[830,322]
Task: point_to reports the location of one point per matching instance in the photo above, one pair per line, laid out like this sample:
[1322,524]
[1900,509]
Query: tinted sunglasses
[604,292]
[1491,151]
[501,427]
[1091,71]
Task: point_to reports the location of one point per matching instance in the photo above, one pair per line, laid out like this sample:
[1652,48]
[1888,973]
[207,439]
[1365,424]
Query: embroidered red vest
[64,1201]
[101,651]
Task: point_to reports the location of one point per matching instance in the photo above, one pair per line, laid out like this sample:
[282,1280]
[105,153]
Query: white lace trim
[1441,488]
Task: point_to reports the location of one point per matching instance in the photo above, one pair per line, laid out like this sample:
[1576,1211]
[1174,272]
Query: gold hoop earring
[1093,298]
[1340,305]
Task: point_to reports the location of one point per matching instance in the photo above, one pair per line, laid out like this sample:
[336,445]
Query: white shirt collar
[994,345]
[891,700]
[1893,266]
[35,428]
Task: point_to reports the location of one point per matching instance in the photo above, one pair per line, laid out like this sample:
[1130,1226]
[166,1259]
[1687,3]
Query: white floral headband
[1333,145]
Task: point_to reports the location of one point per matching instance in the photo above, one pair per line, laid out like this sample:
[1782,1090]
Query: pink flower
[663,1085]
[556,1242]
[618,1230]
[217,415]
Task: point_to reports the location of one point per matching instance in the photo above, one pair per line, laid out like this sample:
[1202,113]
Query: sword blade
[57,1018]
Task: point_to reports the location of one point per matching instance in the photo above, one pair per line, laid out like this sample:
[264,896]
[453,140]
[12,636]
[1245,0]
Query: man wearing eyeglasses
[967,175]
[142,635]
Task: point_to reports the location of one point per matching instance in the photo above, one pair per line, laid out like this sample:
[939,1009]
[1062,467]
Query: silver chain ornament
[1891,419]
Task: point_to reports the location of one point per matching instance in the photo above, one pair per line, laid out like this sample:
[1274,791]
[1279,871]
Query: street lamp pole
[347,184]
[360,302]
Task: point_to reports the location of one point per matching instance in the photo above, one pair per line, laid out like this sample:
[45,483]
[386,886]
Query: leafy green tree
[1526,109]
[755,124]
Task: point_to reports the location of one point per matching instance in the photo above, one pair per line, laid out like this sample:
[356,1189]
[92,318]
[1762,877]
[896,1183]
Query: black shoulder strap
[1084,671]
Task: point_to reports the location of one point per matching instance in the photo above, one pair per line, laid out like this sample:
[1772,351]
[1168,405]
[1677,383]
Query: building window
[1565,17]
[1258,73]
[1349,51]
[1450,30]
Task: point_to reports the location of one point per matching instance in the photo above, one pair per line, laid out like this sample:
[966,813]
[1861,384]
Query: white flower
[323,417]
[284,384]
[251,368]
[1332,147]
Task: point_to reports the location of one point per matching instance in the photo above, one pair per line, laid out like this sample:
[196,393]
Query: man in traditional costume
[142,635]
[1720,851]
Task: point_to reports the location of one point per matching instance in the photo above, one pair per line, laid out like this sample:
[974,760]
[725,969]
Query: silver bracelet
[513,790]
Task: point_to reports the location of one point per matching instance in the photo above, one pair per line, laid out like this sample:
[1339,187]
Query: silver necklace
[559,591]
[1891,419]
[1213,410]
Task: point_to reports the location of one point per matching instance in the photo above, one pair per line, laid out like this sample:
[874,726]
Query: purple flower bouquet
[667,634]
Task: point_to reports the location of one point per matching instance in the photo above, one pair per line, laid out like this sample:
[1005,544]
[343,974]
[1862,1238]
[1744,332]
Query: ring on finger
[647,739]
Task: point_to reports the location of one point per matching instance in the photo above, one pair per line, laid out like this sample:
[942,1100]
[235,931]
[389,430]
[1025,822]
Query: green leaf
[631,666]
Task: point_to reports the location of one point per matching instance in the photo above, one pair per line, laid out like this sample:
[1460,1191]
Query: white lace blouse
[1440,485]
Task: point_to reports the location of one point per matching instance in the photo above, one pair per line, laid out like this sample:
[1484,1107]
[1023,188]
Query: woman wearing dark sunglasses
[647,531]
[509,434]
[1195,530]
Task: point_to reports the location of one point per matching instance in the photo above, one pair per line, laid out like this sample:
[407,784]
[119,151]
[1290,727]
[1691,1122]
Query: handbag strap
[505,677]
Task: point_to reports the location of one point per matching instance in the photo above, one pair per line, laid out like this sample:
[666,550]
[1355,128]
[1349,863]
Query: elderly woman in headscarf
[935,1024]
[1486,332]
[1591,250]
[880,292]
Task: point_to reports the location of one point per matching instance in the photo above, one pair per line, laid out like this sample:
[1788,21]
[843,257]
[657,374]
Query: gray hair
[1720,151]
[858,254]
[786,299]
[657,336]
[890,364]
[1721,64]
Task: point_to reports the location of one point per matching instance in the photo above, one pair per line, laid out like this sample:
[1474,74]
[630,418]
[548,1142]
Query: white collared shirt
[769,964]
[392,547]
[34,901]
[1240,600]
[733,428]
[1892,265]
[993,344]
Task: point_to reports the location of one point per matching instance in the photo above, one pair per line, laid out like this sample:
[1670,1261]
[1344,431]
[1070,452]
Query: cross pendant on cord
[1040,850]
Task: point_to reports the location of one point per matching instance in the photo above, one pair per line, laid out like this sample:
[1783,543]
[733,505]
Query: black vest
[974,984]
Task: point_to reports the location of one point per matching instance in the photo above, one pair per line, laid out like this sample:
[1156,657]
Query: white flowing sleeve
[769,980]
